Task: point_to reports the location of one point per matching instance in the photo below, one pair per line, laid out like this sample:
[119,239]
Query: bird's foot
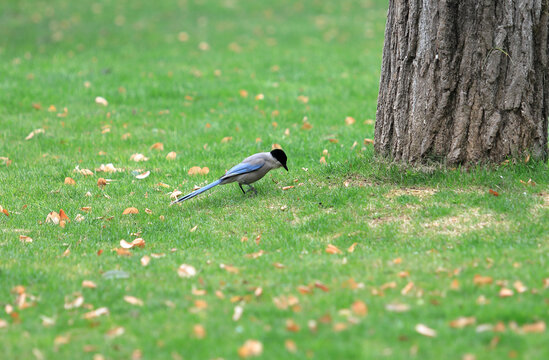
[252,189]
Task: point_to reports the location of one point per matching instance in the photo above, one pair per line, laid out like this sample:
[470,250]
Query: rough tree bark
[464,81]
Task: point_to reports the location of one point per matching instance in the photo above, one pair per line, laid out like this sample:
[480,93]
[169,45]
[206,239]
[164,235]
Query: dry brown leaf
[302,98]
[323,160]
[279,265]
[133,300]
[69,181]
[157,146]
[425,330]
[359,308]
[339,326]
[89,284]
[25,239]
[276,146]
[186,271]
[3,323]
[130,210]
[332,249]
[86,208]
[199,331]
[406,289]
[290,346]
[260,97]
[519,287]
[306,126]
[537,327]
[349,120]
[229,268]
[96,313]
[101,101]
[255,255]
[53,218]
[243,93]
[482,280]
[352,248]
[292,325]
[101,182]
[138,157]
[504,292]
[145,260]
[123,252]
[73,302]
[171,155]
[368,142]
[34,132]
[143,175]
[462,322]
[493,192]
[454,285]
[321,286]
[257,239]
[250,348]
[114,332]
[284,188]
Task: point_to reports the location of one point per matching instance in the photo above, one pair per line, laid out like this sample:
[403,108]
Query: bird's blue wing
[243,168]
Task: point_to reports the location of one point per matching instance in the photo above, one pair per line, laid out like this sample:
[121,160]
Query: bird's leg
[239,184]
[252,189]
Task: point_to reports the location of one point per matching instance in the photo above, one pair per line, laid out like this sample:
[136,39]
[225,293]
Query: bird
[250,170]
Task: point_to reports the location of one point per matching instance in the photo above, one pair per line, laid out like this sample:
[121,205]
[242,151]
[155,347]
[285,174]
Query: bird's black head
[281,157]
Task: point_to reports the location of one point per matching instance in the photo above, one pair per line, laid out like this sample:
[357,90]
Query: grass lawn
[359,259]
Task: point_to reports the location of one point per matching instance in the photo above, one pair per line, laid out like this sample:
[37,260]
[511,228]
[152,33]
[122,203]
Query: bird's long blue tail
[197,192]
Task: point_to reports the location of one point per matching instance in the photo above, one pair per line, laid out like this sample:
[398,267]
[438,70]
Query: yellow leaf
[130,210]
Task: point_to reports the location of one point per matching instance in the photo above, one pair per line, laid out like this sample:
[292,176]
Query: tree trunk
[464,81]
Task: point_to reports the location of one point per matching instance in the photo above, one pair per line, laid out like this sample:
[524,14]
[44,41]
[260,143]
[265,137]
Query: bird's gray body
[265,159]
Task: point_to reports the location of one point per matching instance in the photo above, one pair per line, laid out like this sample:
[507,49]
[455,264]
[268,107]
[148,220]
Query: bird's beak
[285,167]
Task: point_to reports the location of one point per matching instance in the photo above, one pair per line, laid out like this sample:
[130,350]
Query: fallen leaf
[123,252]
[492,192]
[504,292]
[306,126]
[352,248]
[199,331]
[229,268]
[143,175]
[171,155]
[53,218]
[250,348]
[332,249]
[75,301]
[260,97]
[368,142]
[321,286]
[290,346]
[114,332]
[138,157]
[133,300]
[537,327]
[482,280]
[359,308]
[130,210]
[25,239]
[302,98]
[519,287]
[3,324]
[323,160]
[292,326]
[101,182]
[349,120]
[47,321]
[186,271]
[89,284]
[34,132]
[462,322]
[101,101]
[145,260]
[406,289]
[340,326]
[287,187]
[96,313]
[157,146]
[69,181]
[425,330]
[243,93]
[276,146]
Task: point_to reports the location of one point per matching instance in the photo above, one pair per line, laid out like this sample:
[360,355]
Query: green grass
[442,225]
